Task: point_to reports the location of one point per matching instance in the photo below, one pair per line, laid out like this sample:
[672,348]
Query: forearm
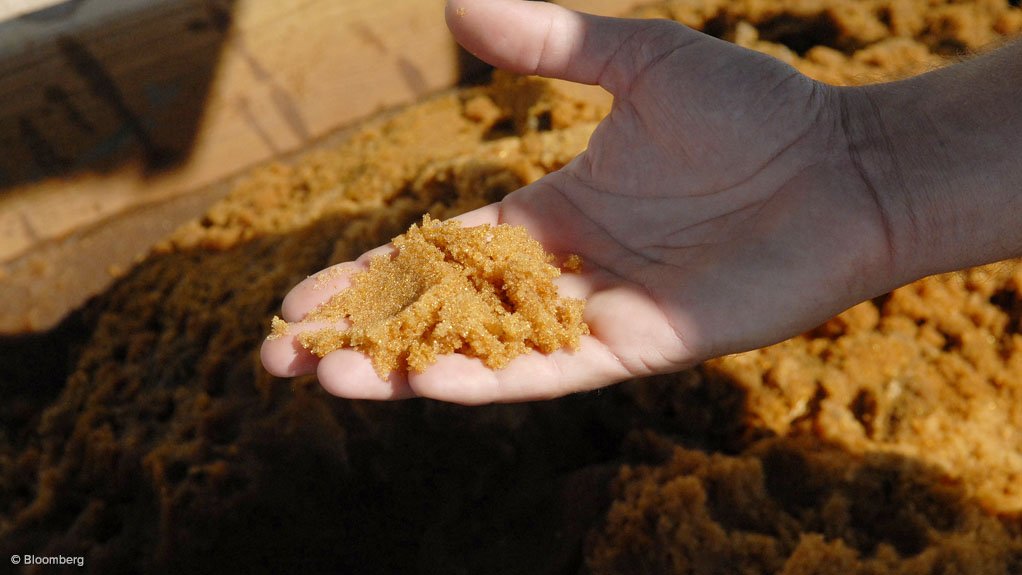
[942,155]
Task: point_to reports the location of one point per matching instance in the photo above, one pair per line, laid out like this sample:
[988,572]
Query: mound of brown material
[851,42]
[796,505]
[886,441]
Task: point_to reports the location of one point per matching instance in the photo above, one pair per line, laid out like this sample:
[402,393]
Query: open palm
[717,209]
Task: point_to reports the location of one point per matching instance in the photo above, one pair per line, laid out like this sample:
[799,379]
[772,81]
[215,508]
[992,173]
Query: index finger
[318,288]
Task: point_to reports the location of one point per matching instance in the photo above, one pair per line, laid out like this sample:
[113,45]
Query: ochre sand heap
[485,292]
[145,436]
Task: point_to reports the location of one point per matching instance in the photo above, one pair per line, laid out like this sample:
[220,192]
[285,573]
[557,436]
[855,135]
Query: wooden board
[134,101]
[14,8]
[121,112]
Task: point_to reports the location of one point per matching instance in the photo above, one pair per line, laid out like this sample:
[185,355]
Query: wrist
[940,156]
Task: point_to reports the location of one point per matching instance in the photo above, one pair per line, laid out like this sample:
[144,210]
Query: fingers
[284,356]
[488,214]
[531,377]
[317,289]
[466,380]
[548,40]
[344,372]
[350,374]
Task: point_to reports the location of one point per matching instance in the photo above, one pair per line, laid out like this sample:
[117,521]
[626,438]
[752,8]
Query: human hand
[717,209]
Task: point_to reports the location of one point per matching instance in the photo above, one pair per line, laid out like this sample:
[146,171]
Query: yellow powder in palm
[484,291]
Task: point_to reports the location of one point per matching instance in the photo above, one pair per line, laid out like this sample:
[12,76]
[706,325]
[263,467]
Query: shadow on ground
[143,435]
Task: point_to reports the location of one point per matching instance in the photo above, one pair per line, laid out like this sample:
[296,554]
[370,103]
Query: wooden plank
[141,104]
[217,85]
[14,8]
[204,88]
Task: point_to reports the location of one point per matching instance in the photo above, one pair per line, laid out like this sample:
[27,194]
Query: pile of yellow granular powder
[484,291]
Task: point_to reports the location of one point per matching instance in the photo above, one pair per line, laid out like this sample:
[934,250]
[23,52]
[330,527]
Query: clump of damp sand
[484,291]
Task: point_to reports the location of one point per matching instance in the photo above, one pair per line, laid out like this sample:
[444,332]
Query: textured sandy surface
[144,435]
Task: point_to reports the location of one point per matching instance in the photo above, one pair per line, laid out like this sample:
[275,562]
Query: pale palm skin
[717,209]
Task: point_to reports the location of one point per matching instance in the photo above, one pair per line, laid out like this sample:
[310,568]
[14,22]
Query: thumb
[552,41]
